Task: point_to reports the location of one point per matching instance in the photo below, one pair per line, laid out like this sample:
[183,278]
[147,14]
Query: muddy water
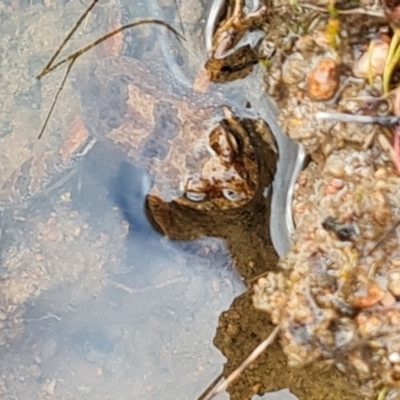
[95,304]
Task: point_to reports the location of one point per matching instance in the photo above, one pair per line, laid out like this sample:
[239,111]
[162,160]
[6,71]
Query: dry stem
[223,384]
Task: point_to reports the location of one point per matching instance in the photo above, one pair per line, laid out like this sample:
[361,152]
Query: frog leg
[159,214]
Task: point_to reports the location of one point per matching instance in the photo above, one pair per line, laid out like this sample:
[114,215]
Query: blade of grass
[389,67]
[68,37]
[73,57]
[223,384]
[49,114]
[85,49]
[383,393]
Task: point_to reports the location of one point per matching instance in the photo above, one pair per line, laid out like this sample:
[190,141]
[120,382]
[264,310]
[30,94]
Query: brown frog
[199,155]
[229,36]
[201,193]
[226,50]
[226,60]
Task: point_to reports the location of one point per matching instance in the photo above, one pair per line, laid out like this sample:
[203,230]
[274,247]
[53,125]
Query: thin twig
[179,16]
[211,386]
[85,49]
[361,119]
[131,290]
[46,316]
[61,87]
[70,34]
[358,10]
[73,57]
[345,349]
[223,384]
[371,98]
[375,245]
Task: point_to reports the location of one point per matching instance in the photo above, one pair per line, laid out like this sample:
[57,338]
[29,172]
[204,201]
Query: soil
[238,334]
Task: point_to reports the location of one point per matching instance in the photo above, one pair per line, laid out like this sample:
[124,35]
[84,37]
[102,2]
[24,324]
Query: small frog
[226,59]
[195,149]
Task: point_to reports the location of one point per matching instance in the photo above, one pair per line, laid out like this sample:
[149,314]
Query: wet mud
[240,330]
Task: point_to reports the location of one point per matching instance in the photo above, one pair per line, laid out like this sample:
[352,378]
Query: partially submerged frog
[229,42]
[198,154]
[224,46]
[230,57]
[196,151]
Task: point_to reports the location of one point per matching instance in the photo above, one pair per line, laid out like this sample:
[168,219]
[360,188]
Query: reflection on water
[94,302]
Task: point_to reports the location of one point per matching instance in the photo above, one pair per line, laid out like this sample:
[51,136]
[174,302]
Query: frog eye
[232,195]
[195,196]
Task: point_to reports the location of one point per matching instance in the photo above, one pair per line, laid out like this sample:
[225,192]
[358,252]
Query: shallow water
[91,308]
[94,303]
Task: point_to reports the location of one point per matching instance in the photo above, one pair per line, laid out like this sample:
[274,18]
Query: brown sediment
[238,334]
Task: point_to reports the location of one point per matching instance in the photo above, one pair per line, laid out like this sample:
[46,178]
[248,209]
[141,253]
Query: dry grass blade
[360,119]
[73,57]
[61,87]
[70,34]
[85,49]
[223,384]
[375,245]
[178,10]
[357,10]
[211,386]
